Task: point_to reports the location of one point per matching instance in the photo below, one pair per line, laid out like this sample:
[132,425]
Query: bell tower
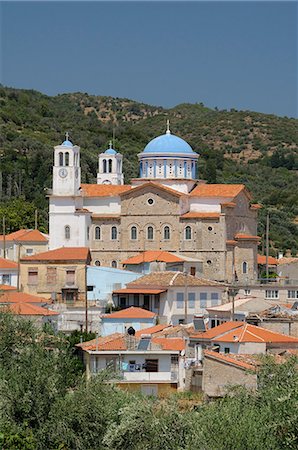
[110,167]
[66,169]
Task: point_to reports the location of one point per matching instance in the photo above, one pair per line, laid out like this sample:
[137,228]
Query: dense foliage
[235,147]
[45,403]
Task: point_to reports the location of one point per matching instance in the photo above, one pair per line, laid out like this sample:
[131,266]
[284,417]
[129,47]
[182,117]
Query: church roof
[61,254]
[217,190]
[67,143]
[104,190]
[168,143]
[110,151]
[151,256]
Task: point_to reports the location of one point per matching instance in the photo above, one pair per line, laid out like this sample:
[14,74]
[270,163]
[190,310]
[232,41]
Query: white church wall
[103,205]
[206,204]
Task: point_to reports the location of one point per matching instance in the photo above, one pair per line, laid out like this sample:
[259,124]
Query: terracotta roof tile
[153,255]
[217,190]
[231,242]
[8,264]
[25,235]
[27,309]
[255,206]
[7,287]
[175,344]
[152,330]
[101,342]
[240,362]
[130,313]
[246,237]
[158,186]
[228,205]
[216,331]
[11,296]
[170,278]
[271,260]
[251,333]
[200,215]
[61,254]
[103,190]
[138,290]
[287,260]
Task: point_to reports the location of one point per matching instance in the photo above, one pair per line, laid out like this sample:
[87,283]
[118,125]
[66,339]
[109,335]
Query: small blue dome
[110,151]
[67,143]
[168,143]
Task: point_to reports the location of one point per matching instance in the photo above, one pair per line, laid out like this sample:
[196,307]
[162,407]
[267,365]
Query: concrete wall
[110,326]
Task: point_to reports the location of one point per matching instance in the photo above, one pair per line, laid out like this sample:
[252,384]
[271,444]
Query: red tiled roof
[7,287]
[25,235]
[103,190]
[11,296]
[168,343]
[228,205]
[231,242]
[7,264]
[101,343]
[246,237]
[152,330]
[27,309]
[61,254]
[251,333]
[217,190]
[158,186]
[230,359]
[216,331]
[130,313]
[200,215]
[256,206]
[153,255]
[167,278]
[271,260]
[139,290]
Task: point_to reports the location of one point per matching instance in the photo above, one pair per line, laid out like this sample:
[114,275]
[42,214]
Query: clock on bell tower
[66,169]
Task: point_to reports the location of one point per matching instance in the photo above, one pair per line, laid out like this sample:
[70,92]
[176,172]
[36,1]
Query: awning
[139,291]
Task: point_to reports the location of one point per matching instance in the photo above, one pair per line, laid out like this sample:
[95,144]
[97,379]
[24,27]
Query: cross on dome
[168,127]
[110,144]
[66,136]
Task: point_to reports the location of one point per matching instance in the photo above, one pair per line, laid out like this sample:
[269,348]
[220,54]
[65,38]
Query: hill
[257,149]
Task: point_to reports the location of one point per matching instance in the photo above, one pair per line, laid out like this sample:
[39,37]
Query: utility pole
[185,297]
[267,247]
[86,300]
[19,265]
[36,211]
[4,241]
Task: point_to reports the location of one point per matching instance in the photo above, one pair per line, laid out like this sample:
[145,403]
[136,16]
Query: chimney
[280,255]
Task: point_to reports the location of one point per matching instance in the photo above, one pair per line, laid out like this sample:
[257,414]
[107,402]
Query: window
[97,263]
[150,233]
[226,350]
[114,264]
[136,300]
[271,293]
[90,288]
[246,291]
[6,278]
[67,159]
[210,228]
[88,233]
[215,323]
[97,233]
[29,251]
[166,233]
[110,165]
[191,299]
[60,159]
[151,365]
[70,277]
[193,271]
[51,275]
[67,232]
[214,298]
[156,302]
[32,276]
[114,233]
[293,294]
[122,302]
[104,166]
[244,267]
[209,262]
[187,233]
[150,201]
[133,233]
[203,299]
[180,300]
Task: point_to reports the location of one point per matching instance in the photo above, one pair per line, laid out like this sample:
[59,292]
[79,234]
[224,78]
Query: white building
[8,272]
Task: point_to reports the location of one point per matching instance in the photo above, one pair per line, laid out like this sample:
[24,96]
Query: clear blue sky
[224,54]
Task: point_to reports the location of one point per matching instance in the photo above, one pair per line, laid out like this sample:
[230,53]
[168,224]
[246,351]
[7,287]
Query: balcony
[153,377]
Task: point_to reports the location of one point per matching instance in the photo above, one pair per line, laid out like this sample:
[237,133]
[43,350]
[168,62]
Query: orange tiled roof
[11,296]
[25,236]
[251,333]
[7,264]
[287,260]
[152,255]
[7,287]
[103,190]
[106,216]
[158,186]
[228,205]
[218,190]
[101,342]
[27,309]
[168,343]
[169,278]
[240,362]
[255,206]
[231,242]
[216,331]
[61,254]
[246,237]
[130,313]
[271,260]
[139,290]
[152,330]
[200,215]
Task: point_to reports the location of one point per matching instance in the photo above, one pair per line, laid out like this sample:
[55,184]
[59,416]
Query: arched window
[67,159]
[97,233]
[67,232]
[166,233]
[60,159]
[110,165]
[244,267]
[114,233]
[150,233]
[114,264]
[88,233]
[104,166]
[97,263]
[133,233]
[187,232]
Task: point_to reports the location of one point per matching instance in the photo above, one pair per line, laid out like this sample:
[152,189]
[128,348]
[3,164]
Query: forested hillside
[235,146]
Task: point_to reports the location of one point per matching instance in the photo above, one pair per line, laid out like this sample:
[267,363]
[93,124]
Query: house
[272,265]
[221,371]
[278,290]
[287,267]
[279,318]
[121,321]
[157,260]
[12,296]
[241,338]
[8,272]
[58,274]
[23,243]
[164,294]
[151,365]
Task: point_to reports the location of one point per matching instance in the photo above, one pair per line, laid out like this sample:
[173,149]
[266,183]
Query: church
[167,208]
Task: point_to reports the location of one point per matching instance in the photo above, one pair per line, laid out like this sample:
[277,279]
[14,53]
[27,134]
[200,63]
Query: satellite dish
[131,331]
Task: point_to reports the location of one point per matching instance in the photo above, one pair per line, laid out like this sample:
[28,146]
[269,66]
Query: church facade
[167,208]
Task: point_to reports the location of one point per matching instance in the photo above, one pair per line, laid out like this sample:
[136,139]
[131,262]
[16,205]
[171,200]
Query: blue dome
[168,143]
[110,151]
[67,143]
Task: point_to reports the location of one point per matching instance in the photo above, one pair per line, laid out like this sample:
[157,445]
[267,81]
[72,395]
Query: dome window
[150,201]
